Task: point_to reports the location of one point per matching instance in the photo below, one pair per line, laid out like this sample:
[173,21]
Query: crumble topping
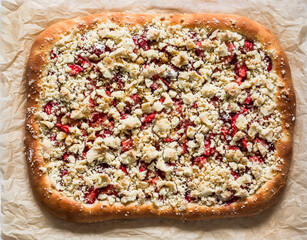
[158,113]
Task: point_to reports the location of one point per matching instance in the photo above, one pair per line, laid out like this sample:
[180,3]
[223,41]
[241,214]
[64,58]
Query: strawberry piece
[123,116]
[75,69]
[53,55]
[195,105]
[233,148]
[162,99]
[107,132]
[92,104]
[184,148]
[235,174]
[98,117]
[141,42]
[248,46]
[65,156]
[248,100]
[208,150]
[150,118]
[109,190]
[136,98]
[99,49]
[127,145]
[255,159]
[224,131]
[92,195]
[189,198]
[166,83]
[154,180]
[111,124]
[64,172]
[120,84]
[199,161]
[230,47]
[53,138]
[108,91]
[178,105]
[64,128]
[83,61]
[198,49]
[168,139]
[48,107]
[234,120]
[239,80]
[185,124]
[241,71]
[230,57]
[154,86]
[142,169]
[268,60]
[232,199]
[259,140]
[244,143]
[124,169]
[118,81]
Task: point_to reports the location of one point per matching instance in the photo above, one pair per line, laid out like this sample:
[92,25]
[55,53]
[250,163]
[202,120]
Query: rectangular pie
[185,116]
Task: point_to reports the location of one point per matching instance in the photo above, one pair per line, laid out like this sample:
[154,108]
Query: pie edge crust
[69,209]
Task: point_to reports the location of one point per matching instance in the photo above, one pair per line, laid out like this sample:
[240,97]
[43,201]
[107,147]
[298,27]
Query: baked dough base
[69,209]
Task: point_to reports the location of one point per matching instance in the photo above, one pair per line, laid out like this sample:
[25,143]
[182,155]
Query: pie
[185,116]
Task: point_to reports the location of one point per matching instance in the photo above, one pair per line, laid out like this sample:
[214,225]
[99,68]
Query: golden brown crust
[69,209]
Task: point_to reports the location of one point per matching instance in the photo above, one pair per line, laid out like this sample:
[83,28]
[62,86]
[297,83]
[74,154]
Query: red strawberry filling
[149,118]
[209,150]
[53,55]
[241,70]
[65,157]
[48,107]
[268,60]
[248,100]
[143,167]
[98,118]
[136,98]
[154,86]
[184,148]
[92,104]
[141,42]
[75,69]
[92,195]
[189,198]
[255,159]
[83,61]
[64,128]
[64,172]
[198,49]
[235,175]
[127,145]
[231,49]
[200,161]
[248,46]
[124,169]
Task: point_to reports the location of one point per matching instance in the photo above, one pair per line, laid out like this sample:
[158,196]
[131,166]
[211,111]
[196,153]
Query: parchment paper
[23,218]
